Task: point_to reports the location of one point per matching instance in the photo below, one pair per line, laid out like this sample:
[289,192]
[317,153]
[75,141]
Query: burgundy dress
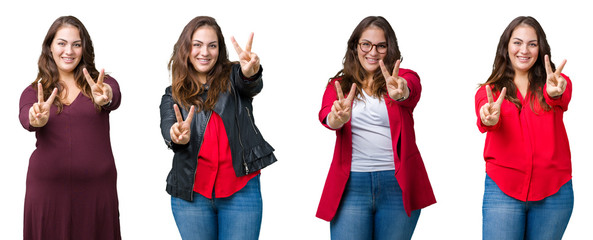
[71,182]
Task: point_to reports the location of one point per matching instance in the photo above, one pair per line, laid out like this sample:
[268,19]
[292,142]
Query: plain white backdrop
[451,44]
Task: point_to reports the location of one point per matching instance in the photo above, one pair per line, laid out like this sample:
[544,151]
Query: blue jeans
[507,218]
[236,217]
[372,208]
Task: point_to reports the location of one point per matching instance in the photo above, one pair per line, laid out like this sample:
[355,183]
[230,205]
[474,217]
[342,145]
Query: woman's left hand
[249,60]
[397,87]
[555,83]
[102,92]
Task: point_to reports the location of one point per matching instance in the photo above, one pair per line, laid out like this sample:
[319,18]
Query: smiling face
[523,48]
[204,51]
[370,60]
[66,49]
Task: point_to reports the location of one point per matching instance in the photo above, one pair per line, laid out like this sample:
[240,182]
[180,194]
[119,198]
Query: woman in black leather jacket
[207,120]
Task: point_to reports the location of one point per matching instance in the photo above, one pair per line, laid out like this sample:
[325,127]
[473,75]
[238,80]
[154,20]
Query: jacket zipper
[239,128]
[253,125]
[191,196]
[242,147]
[243,153]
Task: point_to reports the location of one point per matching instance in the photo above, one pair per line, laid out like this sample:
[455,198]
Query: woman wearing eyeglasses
[377,182]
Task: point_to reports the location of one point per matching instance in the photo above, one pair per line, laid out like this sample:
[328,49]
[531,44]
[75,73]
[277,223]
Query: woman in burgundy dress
[71,182]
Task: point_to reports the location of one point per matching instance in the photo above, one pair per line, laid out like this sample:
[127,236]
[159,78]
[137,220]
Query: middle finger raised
[339,90]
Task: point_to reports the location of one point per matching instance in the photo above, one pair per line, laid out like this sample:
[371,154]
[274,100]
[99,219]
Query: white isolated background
[451,44]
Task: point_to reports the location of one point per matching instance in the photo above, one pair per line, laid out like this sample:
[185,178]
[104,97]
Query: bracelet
[404,97]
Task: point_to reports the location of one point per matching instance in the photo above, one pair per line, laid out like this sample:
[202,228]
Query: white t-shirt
[371,137]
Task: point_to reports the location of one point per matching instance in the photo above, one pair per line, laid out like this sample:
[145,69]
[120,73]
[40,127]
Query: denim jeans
[236,217]
[507,218]
[372,208]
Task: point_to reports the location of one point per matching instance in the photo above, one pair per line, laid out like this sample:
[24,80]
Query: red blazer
[410,172]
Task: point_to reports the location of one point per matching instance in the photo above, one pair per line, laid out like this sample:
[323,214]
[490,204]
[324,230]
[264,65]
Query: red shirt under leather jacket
[250,152]
[409,171]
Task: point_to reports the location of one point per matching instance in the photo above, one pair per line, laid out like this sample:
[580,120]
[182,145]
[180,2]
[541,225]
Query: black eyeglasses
[368,46]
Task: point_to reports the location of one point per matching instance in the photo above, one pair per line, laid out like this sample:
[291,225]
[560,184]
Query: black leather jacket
[249,151]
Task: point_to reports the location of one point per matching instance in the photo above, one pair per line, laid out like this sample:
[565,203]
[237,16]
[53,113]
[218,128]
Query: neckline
[75,99]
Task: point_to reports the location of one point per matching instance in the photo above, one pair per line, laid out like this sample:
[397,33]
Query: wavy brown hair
[353,72]
[503,73]
[185,86]
[48,74]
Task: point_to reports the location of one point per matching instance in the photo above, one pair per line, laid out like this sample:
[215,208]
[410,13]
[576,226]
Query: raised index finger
[190,115]
[51,98]
[101,76]
[249,43]
[503,93]
[88,78]
[559,69]
[352,92]
[236,45]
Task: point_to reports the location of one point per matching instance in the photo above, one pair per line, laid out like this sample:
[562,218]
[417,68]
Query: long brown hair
[503,73]
[48,71]
[353,72]
[186,88]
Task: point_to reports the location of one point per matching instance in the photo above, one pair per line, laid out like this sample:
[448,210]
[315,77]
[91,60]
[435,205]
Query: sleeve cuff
[252,78]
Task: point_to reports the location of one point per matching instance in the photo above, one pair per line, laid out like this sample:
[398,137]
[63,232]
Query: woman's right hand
[490,112]
[180,131]
[342,108]
[39,112]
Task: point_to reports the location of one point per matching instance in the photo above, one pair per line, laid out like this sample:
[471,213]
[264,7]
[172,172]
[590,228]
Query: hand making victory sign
[342,108]
[249,60]
[180,131]
[39,112]
[556,84]
[397,87]
[490,112]
[102,93]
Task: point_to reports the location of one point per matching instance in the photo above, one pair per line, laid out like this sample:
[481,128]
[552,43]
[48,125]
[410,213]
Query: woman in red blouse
[377,182]
[214,181]
[528,190]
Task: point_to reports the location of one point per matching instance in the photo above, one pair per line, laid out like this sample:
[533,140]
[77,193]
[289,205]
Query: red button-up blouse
[215,168]
[526,152]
